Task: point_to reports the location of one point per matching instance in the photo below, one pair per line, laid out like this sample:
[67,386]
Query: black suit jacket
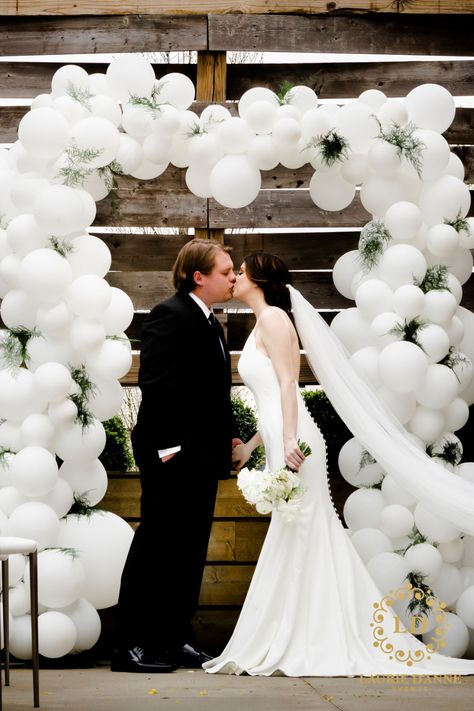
[185,382]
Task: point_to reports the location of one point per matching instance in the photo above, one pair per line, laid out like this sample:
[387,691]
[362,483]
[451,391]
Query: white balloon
[102,540]
[61,577]
[53,381]
[402,366]
[433,527]
[396,520]
[59,210]
[24,235]
[456,414]
[435,153]
[129,154]
[88,479]
[56,633]
[430,106]
[393,493]
[329,190]
[68,78]
[34,471]
[448,583]
[466,471]
[440,306]
[356,168]
[403,220]
[35,520]
[88,296]
[386,327]
[365,362]
[391,112]
[452,551]
[137,121]
[44,132]
[256,94]
[263,153]
[87,623]
[388,570]
[362,509]
[99,137]
[445,198]
[176,89]
[198,180]
[130,75]
[235,135]
[78,444]
[20,637]
[369,542]
[18,397]
[234,181]
[72,110]
[383,157]
[261,116]
[60,498]
[354,469]
[408,301]
[62,413]
[356,122]
[373,98]
[434,341]
[119,314]
[402,264]
[45,275]
[438,388]
[373,298]
[38,431]
[461,263]
[352,329]
[18,310]
[465,606]
[403,405]
[427,424]
[89,255]
[105,107]
[425,559]
[86,335]
[442,240]
[112,360]
[344,271]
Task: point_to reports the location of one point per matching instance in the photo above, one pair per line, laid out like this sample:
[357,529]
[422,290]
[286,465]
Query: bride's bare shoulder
[273,317]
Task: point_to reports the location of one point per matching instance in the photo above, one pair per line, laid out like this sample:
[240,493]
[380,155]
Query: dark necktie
[216,328]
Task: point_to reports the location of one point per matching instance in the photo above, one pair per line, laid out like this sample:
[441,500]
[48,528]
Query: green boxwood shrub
[117,455]
[247,426]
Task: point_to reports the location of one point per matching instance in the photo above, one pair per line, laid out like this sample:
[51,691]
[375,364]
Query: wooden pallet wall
[309,240]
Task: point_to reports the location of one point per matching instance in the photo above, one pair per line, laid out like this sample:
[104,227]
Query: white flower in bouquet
[279,490]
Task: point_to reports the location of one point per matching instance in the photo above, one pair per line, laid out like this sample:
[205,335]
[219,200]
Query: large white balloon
[234,181]
[329,190]
[44,132]
[45,274]
[56,634]
[77,444]
[102,540]
[61,577]
[87,622]
[59,210]
[352,329]
[402,264]
[430,106]
[402,366]
[35,520]
[433,527]
[87,479]
[130,75]
[34,471]
[362,509]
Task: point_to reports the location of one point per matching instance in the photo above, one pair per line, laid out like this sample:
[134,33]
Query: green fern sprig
[150,103]
[75,171]
[409,330]
[14,346]
[331,147]
[451,452]
[284,93]
[455,358]
[373,238]
[460,224]
[3,455]
[62,247]
[415,537]
[82,96]
[73,552]
[408,146]
[366,459]
[418,607]
[436,277]
[80,399]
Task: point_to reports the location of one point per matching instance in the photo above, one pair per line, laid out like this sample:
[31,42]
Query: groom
[182,444]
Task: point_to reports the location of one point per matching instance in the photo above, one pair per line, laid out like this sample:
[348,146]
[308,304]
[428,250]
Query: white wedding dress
[309,609]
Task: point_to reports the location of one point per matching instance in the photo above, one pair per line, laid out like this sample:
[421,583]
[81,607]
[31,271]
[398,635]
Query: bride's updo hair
[271,274]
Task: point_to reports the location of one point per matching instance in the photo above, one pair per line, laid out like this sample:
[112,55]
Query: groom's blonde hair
[198,255]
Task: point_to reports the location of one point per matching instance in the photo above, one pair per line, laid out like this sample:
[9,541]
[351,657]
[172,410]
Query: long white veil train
[441,492]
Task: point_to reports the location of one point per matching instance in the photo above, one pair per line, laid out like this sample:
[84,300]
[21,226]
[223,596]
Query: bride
[310,609]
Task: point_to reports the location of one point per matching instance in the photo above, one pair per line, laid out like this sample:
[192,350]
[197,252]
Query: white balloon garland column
[406,337]
[64,350]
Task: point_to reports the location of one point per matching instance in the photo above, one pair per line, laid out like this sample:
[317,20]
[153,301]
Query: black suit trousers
[162,576]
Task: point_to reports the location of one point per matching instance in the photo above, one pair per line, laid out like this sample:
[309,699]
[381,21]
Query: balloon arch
[64,349]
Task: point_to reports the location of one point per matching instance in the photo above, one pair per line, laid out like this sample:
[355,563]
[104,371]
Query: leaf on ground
[152,692]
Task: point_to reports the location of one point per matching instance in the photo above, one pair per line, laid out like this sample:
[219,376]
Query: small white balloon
[402,366]
[433,527]
[329,190]
[35,520]
[37,431]
[176,89]
[88,479]
[44,132]
[426,423]
[88,296]
[34,471]
[56,633]
[362,509]
[373,297]
[87,622]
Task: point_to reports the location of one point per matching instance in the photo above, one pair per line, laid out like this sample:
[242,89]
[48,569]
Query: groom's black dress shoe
[135,660]
[191,658]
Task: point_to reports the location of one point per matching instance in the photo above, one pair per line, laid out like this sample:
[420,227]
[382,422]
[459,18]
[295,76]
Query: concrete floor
[98,688]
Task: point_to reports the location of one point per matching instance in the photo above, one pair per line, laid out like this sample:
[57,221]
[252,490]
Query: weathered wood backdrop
[142,263]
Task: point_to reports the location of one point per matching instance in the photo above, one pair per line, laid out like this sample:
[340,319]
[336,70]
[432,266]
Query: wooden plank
[190,7]
[214,626]
[348,80]
[225,584]
[285,208]
[461,130]
[306,250]
[330,81]
[148,288]
[236,541]
[306,376]
[370,34]
[93,35]
[146,206]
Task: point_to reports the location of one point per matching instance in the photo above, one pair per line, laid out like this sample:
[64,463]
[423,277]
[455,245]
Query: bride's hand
[240,455]
[294,457]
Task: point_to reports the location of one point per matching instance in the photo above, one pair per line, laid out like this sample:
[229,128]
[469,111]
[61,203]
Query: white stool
[26,546]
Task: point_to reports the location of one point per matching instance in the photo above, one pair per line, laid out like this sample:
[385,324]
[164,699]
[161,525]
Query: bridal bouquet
[279,490]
